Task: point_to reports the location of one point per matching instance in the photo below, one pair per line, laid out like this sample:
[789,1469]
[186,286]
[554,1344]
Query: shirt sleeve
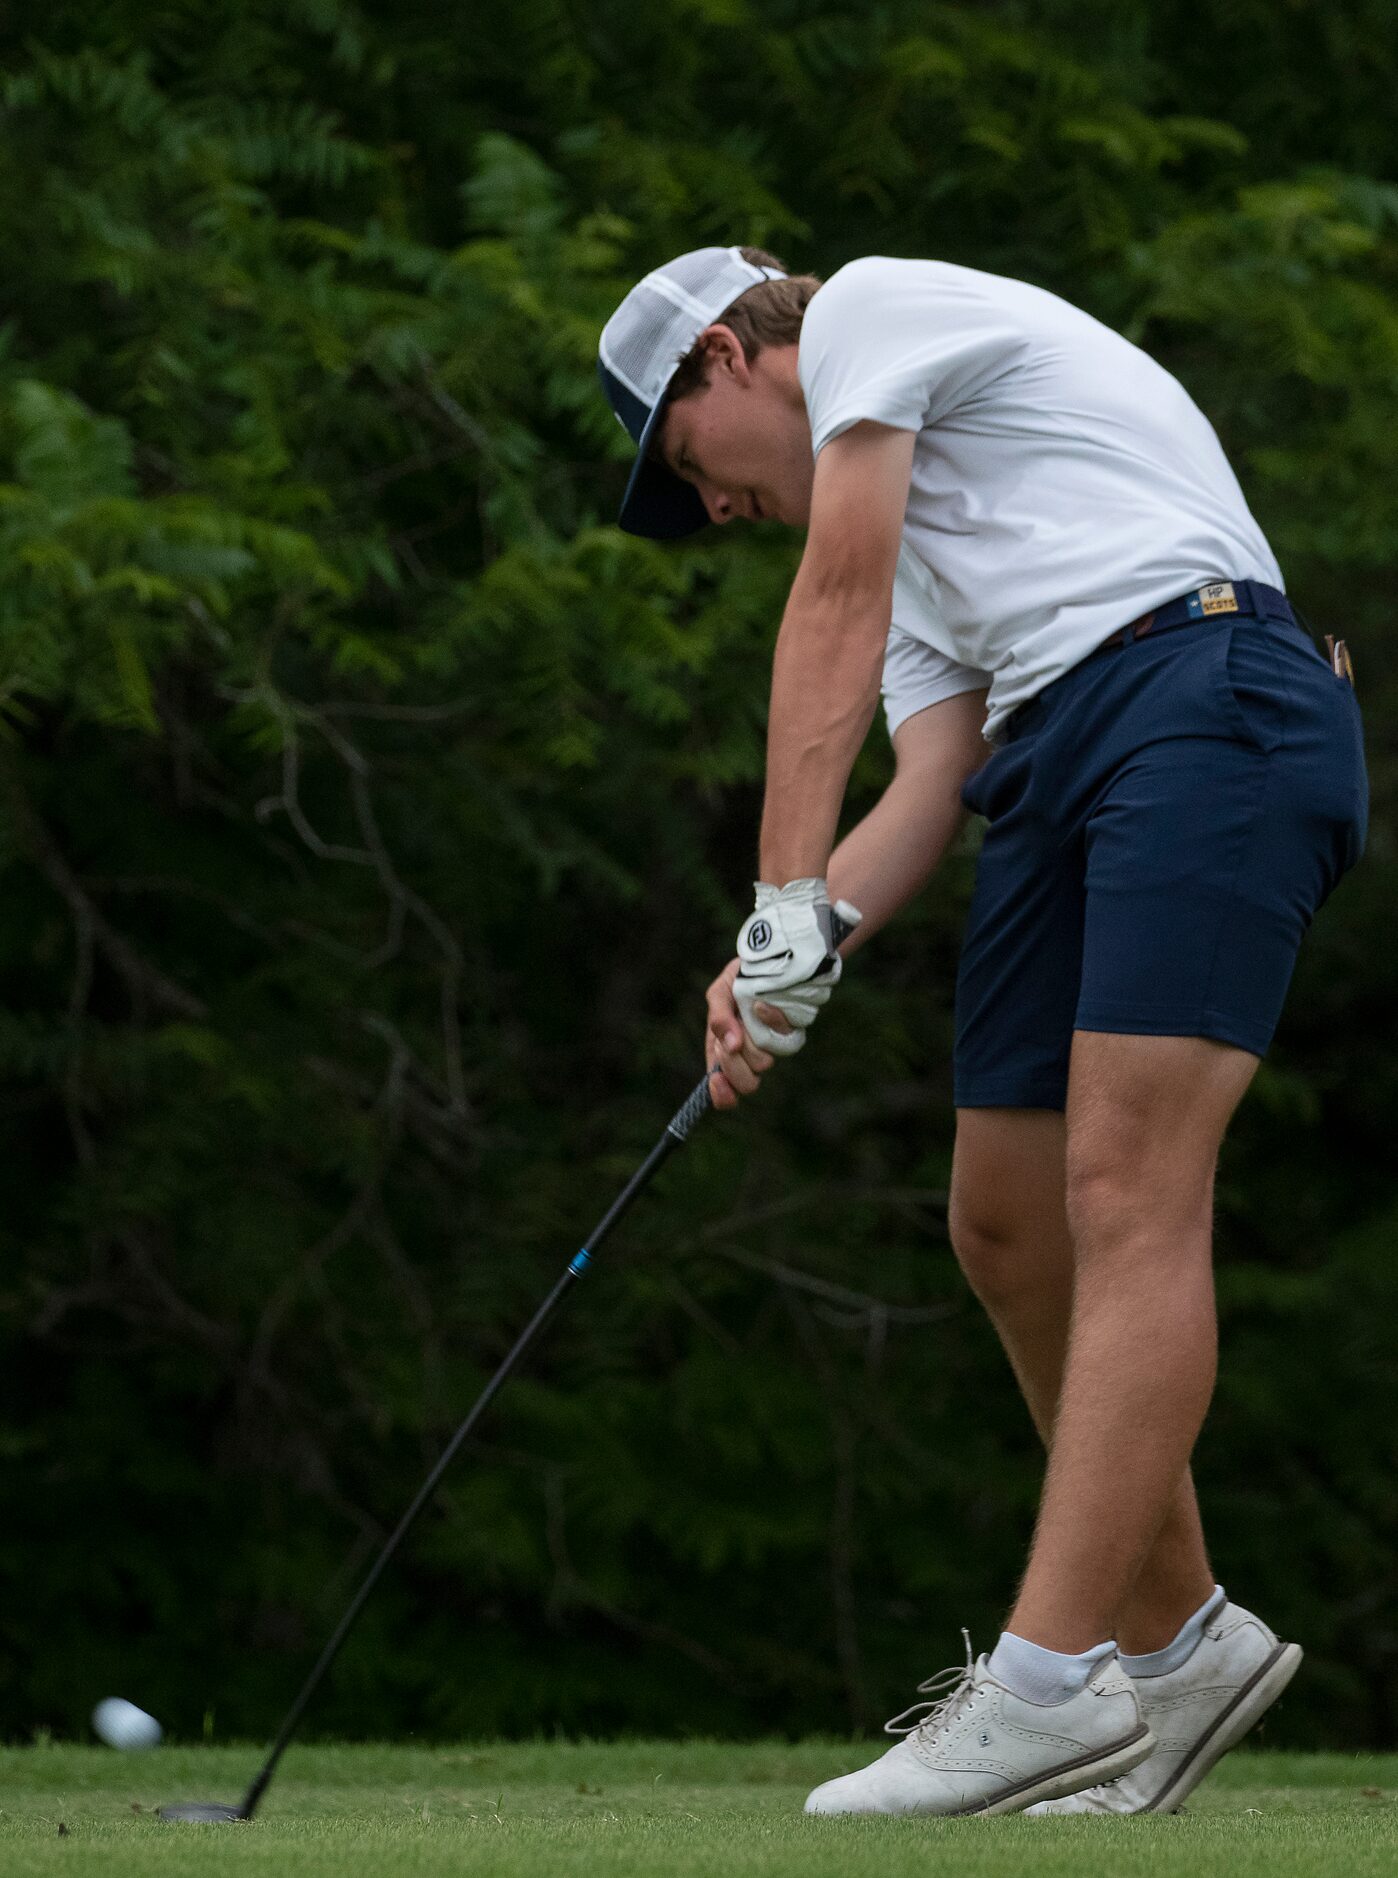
[904,343]
[916,675]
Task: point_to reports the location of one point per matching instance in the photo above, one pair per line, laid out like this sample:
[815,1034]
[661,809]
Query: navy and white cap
[641,344]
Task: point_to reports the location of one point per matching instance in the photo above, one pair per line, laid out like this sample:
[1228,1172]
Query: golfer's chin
[781,513]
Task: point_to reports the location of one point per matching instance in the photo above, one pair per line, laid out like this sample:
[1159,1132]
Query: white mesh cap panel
[659,320]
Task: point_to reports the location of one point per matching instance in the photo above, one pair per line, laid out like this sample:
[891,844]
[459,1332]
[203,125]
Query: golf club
[210,1812]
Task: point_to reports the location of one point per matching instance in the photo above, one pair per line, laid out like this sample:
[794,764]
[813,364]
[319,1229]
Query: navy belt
[1219,598]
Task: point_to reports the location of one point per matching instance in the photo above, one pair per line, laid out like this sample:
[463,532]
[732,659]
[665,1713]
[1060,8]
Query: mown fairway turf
[696,1810]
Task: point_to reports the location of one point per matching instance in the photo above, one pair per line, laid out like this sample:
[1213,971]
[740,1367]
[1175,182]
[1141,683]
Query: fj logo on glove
[759,935]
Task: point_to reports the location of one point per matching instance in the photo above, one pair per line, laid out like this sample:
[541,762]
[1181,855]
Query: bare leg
[1144,1121]
[1010,1231]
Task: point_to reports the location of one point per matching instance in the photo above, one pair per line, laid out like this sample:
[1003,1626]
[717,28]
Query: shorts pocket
[1249,672]
[1000,783]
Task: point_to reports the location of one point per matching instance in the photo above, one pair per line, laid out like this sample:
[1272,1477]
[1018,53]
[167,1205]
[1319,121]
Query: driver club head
[200,1813]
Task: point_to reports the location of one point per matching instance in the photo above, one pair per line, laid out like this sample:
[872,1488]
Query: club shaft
[675,1134]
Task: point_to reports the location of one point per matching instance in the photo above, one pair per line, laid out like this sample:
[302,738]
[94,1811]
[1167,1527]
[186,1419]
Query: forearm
[825,686]
[889,856]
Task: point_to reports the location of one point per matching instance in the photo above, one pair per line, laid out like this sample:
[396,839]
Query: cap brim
[658,504]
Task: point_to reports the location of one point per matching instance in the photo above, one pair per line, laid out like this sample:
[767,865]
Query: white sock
[1181,1646]
[1039,1675]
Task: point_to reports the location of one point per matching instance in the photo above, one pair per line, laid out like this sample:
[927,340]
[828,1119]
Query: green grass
[697,1810]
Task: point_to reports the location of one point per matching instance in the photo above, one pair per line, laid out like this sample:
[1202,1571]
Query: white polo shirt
[1063,483]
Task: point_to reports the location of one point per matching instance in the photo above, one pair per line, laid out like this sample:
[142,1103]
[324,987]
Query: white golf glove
[788,959]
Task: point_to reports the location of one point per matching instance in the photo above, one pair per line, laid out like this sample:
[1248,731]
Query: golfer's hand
[735,1064]
[788,957]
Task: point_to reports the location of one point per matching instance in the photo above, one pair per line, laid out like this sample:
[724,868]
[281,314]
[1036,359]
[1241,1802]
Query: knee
[1006,1266]
[1118,1193]
[1098,1195]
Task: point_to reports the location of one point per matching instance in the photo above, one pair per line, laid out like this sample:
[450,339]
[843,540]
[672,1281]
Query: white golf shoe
[979,1748]
[1196,1713]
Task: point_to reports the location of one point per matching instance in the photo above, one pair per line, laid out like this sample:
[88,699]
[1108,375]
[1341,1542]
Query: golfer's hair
[768,314]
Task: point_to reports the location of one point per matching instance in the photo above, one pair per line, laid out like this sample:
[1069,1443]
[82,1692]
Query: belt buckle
[1218,596]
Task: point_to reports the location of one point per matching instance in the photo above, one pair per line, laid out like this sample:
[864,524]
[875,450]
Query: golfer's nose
[718,502]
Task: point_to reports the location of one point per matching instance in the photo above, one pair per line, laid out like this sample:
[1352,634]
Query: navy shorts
[1165,819]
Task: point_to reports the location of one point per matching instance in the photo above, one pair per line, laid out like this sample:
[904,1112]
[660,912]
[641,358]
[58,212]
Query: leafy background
[372,813]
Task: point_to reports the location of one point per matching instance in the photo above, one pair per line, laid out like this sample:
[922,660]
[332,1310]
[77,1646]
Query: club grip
[696,1105]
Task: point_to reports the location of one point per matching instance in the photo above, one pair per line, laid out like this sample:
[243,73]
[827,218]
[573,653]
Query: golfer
[1023,532]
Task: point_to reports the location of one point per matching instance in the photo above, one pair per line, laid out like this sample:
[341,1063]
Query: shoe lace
[945,1692]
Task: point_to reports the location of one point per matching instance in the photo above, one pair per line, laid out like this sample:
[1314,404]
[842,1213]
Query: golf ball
[122,1725]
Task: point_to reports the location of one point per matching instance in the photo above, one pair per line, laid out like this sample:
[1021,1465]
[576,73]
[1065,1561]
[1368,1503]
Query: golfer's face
[745,450]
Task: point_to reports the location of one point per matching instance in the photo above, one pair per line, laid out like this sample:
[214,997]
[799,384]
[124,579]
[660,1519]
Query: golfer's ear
[723,351]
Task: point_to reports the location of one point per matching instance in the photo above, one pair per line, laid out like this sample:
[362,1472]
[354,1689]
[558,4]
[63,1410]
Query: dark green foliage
[372,814]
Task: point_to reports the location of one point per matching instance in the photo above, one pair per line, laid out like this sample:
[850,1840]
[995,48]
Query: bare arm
[829,657]
[880,865]
[885,859]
